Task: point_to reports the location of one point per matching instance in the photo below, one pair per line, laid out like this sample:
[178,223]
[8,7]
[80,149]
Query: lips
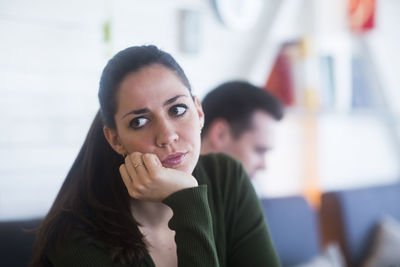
[173,160]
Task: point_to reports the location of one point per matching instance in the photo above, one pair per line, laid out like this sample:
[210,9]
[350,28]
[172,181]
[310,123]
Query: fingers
[129,174]
[126,179]
[146,179]
[140,167]
[152,164]
[129,167]
[135,174]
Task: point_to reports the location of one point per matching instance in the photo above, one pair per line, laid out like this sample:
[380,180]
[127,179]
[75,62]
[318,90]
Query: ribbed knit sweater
[218,223]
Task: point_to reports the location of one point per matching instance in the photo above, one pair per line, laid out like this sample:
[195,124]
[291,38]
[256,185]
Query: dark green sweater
[218,223]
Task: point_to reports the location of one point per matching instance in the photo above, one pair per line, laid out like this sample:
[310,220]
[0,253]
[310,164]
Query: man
[239,121]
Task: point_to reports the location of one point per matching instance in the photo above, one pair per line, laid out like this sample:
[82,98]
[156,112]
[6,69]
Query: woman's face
[156,114]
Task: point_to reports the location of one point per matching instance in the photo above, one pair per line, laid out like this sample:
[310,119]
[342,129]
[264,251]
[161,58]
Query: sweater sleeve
[192,223]
[250,241]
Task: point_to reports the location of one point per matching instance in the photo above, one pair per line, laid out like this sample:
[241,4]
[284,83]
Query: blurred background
[333,63]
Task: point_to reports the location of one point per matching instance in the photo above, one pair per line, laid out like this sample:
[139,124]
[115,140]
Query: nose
[262,163]
[165,134]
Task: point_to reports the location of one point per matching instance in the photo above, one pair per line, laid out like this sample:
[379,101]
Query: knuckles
[147,156]
[143,184]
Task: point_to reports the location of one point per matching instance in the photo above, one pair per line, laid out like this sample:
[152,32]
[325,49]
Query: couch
[350,217]
[293,226]
[16,242]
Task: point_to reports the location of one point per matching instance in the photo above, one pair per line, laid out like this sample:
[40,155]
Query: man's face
[251,147]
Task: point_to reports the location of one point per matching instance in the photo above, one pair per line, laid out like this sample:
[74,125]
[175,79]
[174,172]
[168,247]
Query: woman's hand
[146,179]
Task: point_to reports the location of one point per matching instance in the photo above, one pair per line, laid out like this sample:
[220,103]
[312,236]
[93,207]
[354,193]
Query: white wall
[50,57]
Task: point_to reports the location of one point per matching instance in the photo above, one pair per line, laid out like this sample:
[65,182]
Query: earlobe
[219,134]
[114,141]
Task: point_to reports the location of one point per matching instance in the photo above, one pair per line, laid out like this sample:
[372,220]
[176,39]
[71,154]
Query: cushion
[294,228]
[349,217]
[331,257]
[385,249]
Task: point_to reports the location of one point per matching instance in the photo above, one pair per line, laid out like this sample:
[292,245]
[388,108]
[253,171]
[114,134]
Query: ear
[219,134]
[199,111]
[114,140]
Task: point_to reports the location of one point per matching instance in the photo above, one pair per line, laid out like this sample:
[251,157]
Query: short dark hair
[235,102]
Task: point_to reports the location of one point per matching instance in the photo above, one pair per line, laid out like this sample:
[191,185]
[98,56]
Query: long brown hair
[93,198]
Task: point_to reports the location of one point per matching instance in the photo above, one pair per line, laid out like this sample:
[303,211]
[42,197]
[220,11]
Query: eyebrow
[146,110]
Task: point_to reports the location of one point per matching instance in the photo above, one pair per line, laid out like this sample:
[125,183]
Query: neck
[151,214]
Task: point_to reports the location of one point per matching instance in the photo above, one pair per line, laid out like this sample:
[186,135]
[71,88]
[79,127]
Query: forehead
[262,129]
[262,121]
[150,84]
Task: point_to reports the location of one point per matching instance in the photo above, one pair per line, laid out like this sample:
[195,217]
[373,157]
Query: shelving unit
[337,95]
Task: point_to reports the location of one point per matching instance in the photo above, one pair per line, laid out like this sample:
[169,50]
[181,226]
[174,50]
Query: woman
[171,208]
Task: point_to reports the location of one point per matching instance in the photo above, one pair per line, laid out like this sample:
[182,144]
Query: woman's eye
[137,123]
[177,110]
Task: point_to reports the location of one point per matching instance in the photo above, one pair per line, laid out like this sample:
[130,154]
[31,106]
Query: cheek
[133,145]
[190,127]
[250,156]
[135,141]
[190,134]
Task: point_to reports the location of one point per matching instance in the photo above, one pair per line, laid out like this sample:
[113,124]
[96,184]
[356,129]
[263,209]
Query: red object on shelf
[361,15]
[280,81]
